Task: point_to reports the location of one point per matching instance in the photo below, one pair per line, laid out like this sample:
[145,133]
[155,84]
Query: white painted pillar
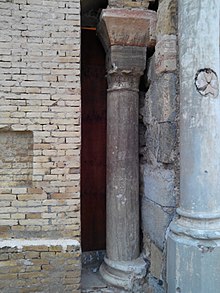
[193,254]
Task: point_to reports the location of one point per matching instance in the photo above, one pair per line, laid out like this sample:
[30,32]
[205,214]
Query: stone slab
[155,221]
[158,185]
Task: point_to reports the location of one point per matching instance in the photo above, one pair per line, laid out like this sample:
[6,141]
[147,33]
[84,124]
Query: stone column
[125,35]
[193,260]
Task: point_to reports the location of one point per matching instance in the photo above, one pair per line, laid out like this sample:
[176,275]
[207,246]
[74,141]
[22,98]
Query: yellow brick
[32,196]
[33,216]
[3,256]
[8,263]
[17,255]
[33,268]
[32,254]
[47,267]
[18,216]
[9,277]
[47,255]
[55,248]
[36,248]
[40,262]
[31,275]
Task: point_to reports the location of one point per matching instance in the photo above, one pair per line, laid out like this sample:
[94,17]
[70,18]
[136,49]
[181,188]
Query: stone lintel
[127,27]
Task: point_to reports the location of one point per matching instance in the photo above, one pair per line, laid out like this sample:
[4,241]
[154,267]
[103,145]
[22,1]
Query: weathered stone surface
[167,140]
[166,54]
[158,185]
[155,220]
[130,3]
[16,158]
[151,149]
[200,257]
[160,101]
[146,246]
[122,176]
[156,261]
[153,286]
[167,18]
[127,58]
[159,116]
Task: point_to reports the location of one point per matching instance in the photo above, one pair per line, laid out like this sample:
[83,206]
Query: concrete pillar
[193,251]
[125,35]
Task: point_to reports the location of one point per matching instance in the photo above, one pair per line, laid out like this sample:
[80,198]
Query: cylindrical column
[200,105]
[122,266]
[194,238]
[125,34]
[122,166]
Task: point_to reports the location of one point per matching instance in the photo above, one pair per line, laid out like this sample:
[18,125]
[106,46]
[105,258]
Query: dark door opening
[93,152]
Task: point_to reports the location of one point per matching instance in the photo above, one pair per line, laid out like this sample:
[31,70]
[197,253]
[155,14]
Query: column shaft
[123,267]
[200,115]
[122,175]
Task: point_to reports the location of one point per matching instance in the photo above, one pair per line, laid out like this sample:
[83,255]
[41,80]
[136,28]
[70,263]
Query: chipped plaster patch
[20,243]
[206,82]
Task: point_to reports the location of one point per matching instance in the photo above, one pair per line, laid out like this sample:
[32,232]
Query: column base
[192,264]
[128,275]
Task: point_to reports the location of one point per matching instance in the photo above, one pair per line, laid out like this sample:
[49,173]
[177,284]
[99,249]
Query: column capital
[123,80]
[125,64]
[127,27]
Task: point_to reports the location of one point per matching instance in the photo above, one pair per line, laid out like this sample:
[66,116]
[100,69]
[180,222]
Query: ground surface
[92,281]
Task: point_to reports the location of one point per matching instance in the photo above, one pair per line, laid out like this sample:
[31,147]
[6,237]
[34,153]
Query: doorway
[93,152]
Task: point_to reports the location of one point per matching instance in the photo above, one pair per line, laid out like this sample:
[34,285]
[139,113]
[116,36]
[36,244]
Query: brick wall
[39,121]
[39,266]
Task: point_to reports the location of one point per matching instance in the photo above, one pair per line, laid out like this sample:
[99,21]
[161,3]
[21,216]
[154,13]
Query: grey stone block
[155,220]
[167,140]
[158,185]
[153,286]
[160,102]
[156,266]
[152,140]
